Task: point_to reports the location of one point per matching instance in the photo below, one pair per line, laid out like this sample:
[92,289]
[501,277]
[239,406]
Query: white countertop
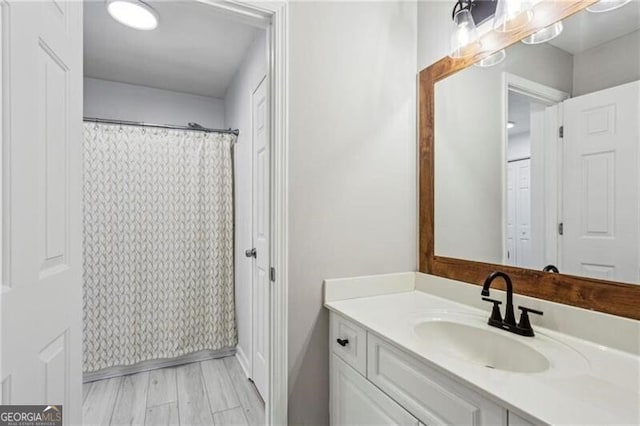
[593,385]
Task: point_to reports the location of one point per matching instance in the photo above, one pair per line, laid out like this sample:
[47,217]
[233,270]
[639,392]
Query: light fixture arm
[481,10]
[460,6]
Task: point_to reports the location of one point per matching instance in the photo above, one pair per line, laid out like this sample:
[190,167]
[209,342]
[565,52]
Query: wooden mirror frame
[599,295]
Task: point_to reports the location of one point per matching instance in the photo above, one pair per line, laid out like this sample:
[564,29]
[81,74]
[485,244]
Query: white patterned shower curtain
[158,244]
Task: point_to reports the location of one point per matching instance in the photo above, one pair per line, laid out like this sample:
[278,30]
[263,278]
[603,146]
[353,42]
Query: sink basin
[481,346]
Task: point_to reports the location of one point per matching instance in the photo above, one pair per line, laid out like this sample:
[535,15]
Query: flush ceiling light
[133,13]
[607,5]
[511,124]
[512,15]
[464,36]
[544,35]
[491,60]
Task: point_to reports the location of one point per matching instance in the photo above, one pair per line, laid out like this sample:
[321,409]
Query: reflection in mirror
[537,157]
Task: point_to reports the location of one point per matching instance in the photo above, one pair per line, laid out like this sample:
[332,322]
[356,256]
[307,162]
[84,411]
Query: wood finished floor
[213,392]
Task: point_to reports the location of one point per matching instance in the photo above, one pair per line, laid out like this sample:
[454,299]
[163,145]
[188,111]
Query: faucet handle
[524,325]
[496,316]
[533,311]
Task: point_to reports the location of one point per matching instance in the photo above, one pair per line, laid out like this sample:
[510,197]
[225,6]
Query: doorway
[57,56]
[165,198]
[532,161]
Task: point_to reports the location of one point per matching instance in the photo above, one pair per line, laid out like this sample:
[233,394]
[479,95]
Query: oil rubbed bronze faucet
[523,327]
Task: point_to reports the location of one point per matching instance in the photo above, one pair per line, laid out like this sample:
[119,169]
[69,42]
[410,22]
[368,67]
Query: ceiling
[194,50]
[585,30]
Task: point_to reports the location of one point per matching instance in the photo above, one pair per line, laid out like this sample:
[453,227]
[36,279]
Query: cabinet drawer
[352,347]
[355,401]
[429,395]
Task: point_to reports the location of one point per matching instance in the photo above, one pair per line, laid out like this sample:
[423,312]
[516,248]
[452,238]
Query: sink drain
[490,366]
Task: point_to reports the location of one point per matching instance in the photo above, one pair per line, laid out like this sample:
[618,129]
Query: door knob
[251,253]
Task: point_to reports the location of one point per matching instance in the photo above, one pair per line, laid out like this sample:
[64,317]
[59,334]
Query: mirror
[537,158]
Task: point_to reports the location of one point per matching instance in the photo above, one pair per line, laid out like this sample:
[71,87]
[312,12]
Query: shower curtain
[158,244]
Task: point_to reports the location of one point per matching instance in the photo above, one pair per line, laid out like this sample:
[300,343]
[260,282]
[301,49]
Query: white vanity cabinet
[373,382]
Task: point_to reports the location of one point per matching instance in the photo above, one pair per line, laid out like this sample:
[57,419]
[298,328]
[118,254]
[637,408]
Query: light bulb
[464,37]
[133,13]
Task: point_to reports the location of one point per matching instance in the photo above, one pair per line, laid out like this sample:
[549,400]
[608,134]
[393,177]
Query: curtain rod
[192,126]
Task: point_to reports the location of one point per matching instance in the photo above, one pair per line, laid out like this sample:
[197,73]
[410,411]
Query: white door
[356,401]
[519,213]
[600,195]
[523,213]
[42,271]
[261,223]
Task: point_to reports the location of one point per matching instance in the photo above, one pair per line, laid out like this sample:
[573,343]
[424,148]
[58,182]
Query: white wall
[519,147]
[352,168]
[470,154]
[434,26]
[611,64]
[238,116]
[120,101]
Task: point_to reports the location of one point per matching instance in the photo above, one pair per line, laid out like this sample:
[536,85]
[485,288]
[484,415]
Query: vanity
[528,171]
[401,354]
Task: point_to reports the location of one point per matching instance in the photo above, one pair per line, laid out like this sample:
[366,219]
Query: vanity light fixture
[512,15]
[491,60]
[511,124]
[464,35]
[133,13]
[607,5]
[544,35]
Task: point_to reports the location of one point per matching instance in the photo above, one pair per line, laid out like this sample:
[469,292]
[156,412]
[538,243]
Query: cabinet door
[432,397]
[355,401]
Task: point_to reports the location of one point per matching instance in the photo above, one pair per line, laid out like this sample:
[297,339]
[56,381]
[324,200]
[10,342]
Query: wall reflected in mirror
[537,156]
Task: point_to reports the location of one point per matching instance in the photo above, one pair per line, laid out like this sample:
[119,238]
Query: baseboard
[155,364]
[244,361]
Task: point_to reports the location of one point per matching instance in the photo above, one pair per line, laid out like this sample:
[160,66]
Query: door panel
[42,152]
[261,263]
[53,366]
[523,213]
[519,213]
[601,197]
[356,401]
[53,87]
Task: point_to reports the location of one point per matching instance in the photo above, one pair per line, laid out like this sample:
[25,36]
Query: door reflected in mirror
[537,158]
